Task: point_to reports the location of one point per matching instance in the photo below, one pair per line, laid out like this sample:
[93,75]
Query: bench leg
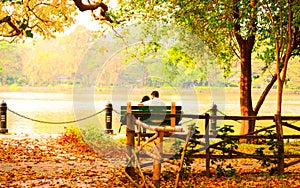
[130,145]
[157,163]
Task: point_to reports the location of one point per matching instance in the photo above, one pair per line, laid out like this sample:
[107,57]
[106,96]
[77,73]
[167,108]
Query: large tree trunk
[245,46]
[246,85]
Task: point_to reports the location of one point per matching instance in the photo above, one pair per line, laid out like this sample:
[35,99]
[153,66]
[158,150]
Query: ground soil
[30,161]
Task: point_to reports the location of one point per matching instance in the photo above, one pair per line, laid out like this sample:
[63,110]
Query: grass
[97,140]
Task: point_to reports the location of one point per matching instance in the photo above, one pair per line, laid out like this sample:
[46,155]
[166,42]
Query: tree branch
[236,25]
[296,42]
[290,41]
[83,7]
[15,30]
[264,94]
[104,8]
[38,17]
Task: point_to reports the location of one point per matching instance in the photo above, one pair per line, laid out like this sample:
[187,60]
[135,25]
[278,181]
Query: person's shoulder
[146,103]
[162,103]
[157,102]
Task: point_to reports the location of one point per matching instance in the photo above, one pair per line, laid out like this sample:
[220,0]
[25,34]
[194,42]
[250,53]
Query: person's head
[155,94]
[145,98]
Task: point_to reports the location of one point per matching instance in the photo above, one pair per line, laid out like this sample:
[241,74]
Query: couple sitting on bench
[153,112]
[155,100]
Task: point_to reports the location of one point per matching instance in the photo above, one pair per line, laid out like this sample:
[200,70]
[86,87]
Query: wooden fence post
[130,132]
[3,118]
[213,122]
[157,162]
[108,118]
[279,133]
[173,111]
[207,152]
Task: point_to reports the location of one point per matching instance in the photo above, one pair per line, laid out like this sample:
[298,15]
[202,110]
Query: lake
[62,107]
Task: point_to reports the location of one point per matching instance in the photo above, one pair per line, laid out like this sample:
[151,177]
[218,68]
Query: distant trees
[49,59]
[11,65]
[45,62]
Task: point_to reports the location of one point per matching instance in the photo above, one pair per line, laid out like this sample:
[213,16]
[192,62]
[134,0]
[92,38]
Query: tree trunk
[245,46]
[278,121]
[246,86]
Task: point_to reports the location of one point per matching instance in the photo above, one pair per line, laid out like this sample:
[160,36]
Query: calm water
[58,107]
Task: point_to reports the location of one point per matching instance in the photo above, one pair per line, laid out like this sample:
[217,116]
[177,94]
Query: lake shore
[109,89]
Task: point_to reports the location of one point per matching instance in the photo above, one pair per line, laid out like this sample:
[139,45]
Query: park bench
[153,115]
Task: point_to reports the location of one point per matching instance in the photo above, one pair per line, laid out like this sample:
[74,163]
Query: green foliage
[14,87]
[176,145]
[170,56]
[21,81]
[168,175]
[10,63]
[273,146]
[74,131]
[228,171]
[232,30]
[268,56]
[94,136]
[192,148]
[201,18]
[226,146]
[28,33]
[215,23]
[211,21]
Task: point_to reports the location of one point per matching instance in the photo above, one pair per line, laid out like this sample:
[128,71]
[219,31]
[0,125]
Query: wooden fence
[250,136]
[208,136]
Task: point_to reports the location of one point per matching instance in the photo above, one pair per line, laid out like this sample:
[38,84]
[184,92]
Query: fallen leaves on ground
[54,162]
[65,162]
[257,178]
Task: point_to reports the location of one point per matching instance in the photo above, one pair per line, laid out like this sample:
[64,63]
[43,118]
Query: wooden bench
[153,115]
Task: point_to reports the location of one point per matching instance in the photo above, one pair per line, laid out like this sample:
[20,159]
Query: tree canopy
[26,18]
[233,30]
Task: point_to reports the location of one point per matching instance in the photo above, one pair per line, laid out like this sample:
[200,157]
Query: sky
[85,18]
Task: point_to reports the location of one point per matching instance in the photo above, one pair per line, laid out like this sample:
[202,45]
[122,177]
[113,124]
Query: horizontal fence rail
[226,117]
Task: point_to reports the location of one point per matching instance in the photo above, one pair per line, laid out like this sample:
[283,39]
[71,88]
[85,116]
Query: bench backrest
[145,114]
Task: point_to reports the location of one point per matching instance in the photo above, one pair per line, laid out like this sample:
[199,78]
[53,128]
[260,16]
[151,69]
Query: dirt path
[49,162]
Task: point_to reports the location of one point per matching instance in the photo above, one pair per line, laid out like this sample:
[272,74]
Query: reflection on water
[45,110]
[52,107]
[57,107]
